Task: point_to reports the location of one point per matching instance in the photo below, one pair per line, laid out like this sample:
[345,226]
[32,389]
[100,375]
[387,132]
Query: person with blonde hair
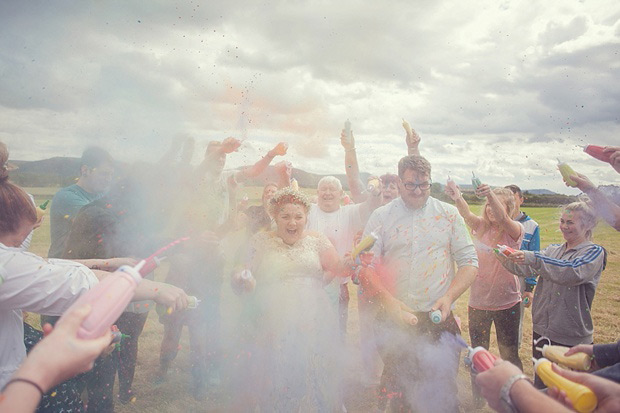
[568,276]
[496,293]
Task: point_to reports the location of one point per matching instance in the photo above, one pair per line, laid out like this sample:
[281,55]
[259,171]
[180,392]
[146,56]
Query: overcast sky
[499,87]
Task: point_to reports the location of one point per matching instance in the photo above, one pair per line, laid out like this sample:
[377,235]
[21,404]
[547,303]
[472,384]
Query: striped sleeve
[582,269]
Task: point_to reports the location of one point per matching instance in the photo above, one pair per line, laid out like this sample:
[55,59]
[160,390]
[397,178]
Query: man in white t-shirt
[339,224]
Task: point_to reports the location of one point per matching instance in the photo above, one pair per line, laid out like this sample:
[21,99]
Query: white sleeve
[46,287]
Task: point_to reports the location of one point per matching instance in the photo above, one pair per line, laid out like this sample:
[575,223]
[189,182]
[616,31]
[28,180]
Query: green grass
[174,395]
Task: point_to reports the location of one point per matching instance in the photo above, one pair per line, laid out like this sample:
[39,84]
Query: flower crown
[288,196]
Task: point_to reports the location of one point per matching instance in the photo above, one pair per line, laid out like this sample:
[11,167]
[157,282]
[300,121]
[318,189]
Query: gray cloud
[490,87]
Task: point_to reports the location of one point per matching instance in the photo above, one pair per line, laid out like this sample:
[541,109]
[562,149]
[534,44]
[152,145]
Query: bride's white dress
[297,339]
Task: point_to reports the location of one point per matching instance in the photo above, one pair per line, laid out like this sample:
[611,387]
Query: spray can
[108,300]
[281,148]
[584,400]
[347,132]
[192,303]
[42,209]
[452,185]
[364,245]
[577,361]
[504,250]
[118,337]
[407,127]
[475,182]
[248,278]
[294,184]
[596,151]
[373,185]
[566,172]
[150,264]
[479,359]
[435,316]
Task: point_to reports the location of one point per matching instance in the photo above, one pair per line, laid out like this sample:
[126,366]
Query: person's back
[65,205]
[96,171]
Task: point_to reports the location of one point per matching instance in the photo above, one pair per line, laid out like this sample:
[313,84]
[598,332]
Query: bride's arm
[332,264]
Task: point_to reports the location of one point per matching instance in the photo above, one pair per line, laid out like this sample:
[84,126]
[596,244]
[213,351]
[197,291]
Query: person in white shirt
[424,259]
[339,224]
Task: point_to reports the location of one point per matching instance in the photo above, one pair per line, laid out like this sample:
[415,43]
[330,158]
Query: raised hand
[279,150]
[230,145]
[347,142]
[483,190]
[614,160]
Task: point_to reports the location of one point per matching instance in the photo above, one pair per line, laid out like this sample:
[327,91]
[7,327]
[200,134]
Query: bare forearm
[463,279]
[499,210]
[470,218]
[353,176]
[284,181]
[605,207]
[19,397]
[256,169]
[96,264]
[413,150]
[528,399]
[146,289]
[372,202]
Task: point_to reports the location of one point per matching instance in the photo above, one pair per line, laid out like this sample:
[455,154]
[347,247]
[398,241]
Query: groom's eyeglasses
[424,186]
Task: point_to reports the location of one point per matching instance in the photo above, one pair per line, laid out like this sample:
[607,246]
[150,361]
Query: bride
[295,333]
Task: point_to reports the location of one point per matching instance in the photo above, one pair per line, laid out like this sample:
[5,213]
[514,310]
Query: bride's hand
[243,282]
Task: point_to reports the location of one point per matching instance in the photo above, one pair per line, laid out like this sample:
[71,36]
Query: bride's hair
[288,196]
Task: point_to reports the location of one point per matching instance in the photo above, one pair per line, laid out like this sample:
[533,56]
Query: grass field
[174,395]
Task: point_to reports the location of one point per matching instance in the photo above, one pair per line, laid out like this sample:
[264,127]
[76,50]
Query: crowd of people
[289,261]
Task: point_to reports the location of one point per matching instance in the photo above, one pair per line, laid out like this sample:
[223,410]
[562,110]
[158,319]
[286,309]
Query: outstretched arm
[284,169]
[58,357]
[614,159]
[512,227]
[605,207]
[373,287]
[472,220]
[524,396]
[258,168]
[351,168]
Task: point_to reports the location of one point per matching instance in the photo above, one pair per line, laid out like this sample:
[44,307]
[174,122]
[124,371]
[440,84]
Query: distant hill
[540,192]
[58,171]
[62,171]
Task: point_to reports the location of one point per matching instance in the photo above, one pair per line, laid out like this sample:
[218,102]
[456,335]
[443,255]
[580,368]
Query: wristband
[504,393]
[19,379]
[530,283]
